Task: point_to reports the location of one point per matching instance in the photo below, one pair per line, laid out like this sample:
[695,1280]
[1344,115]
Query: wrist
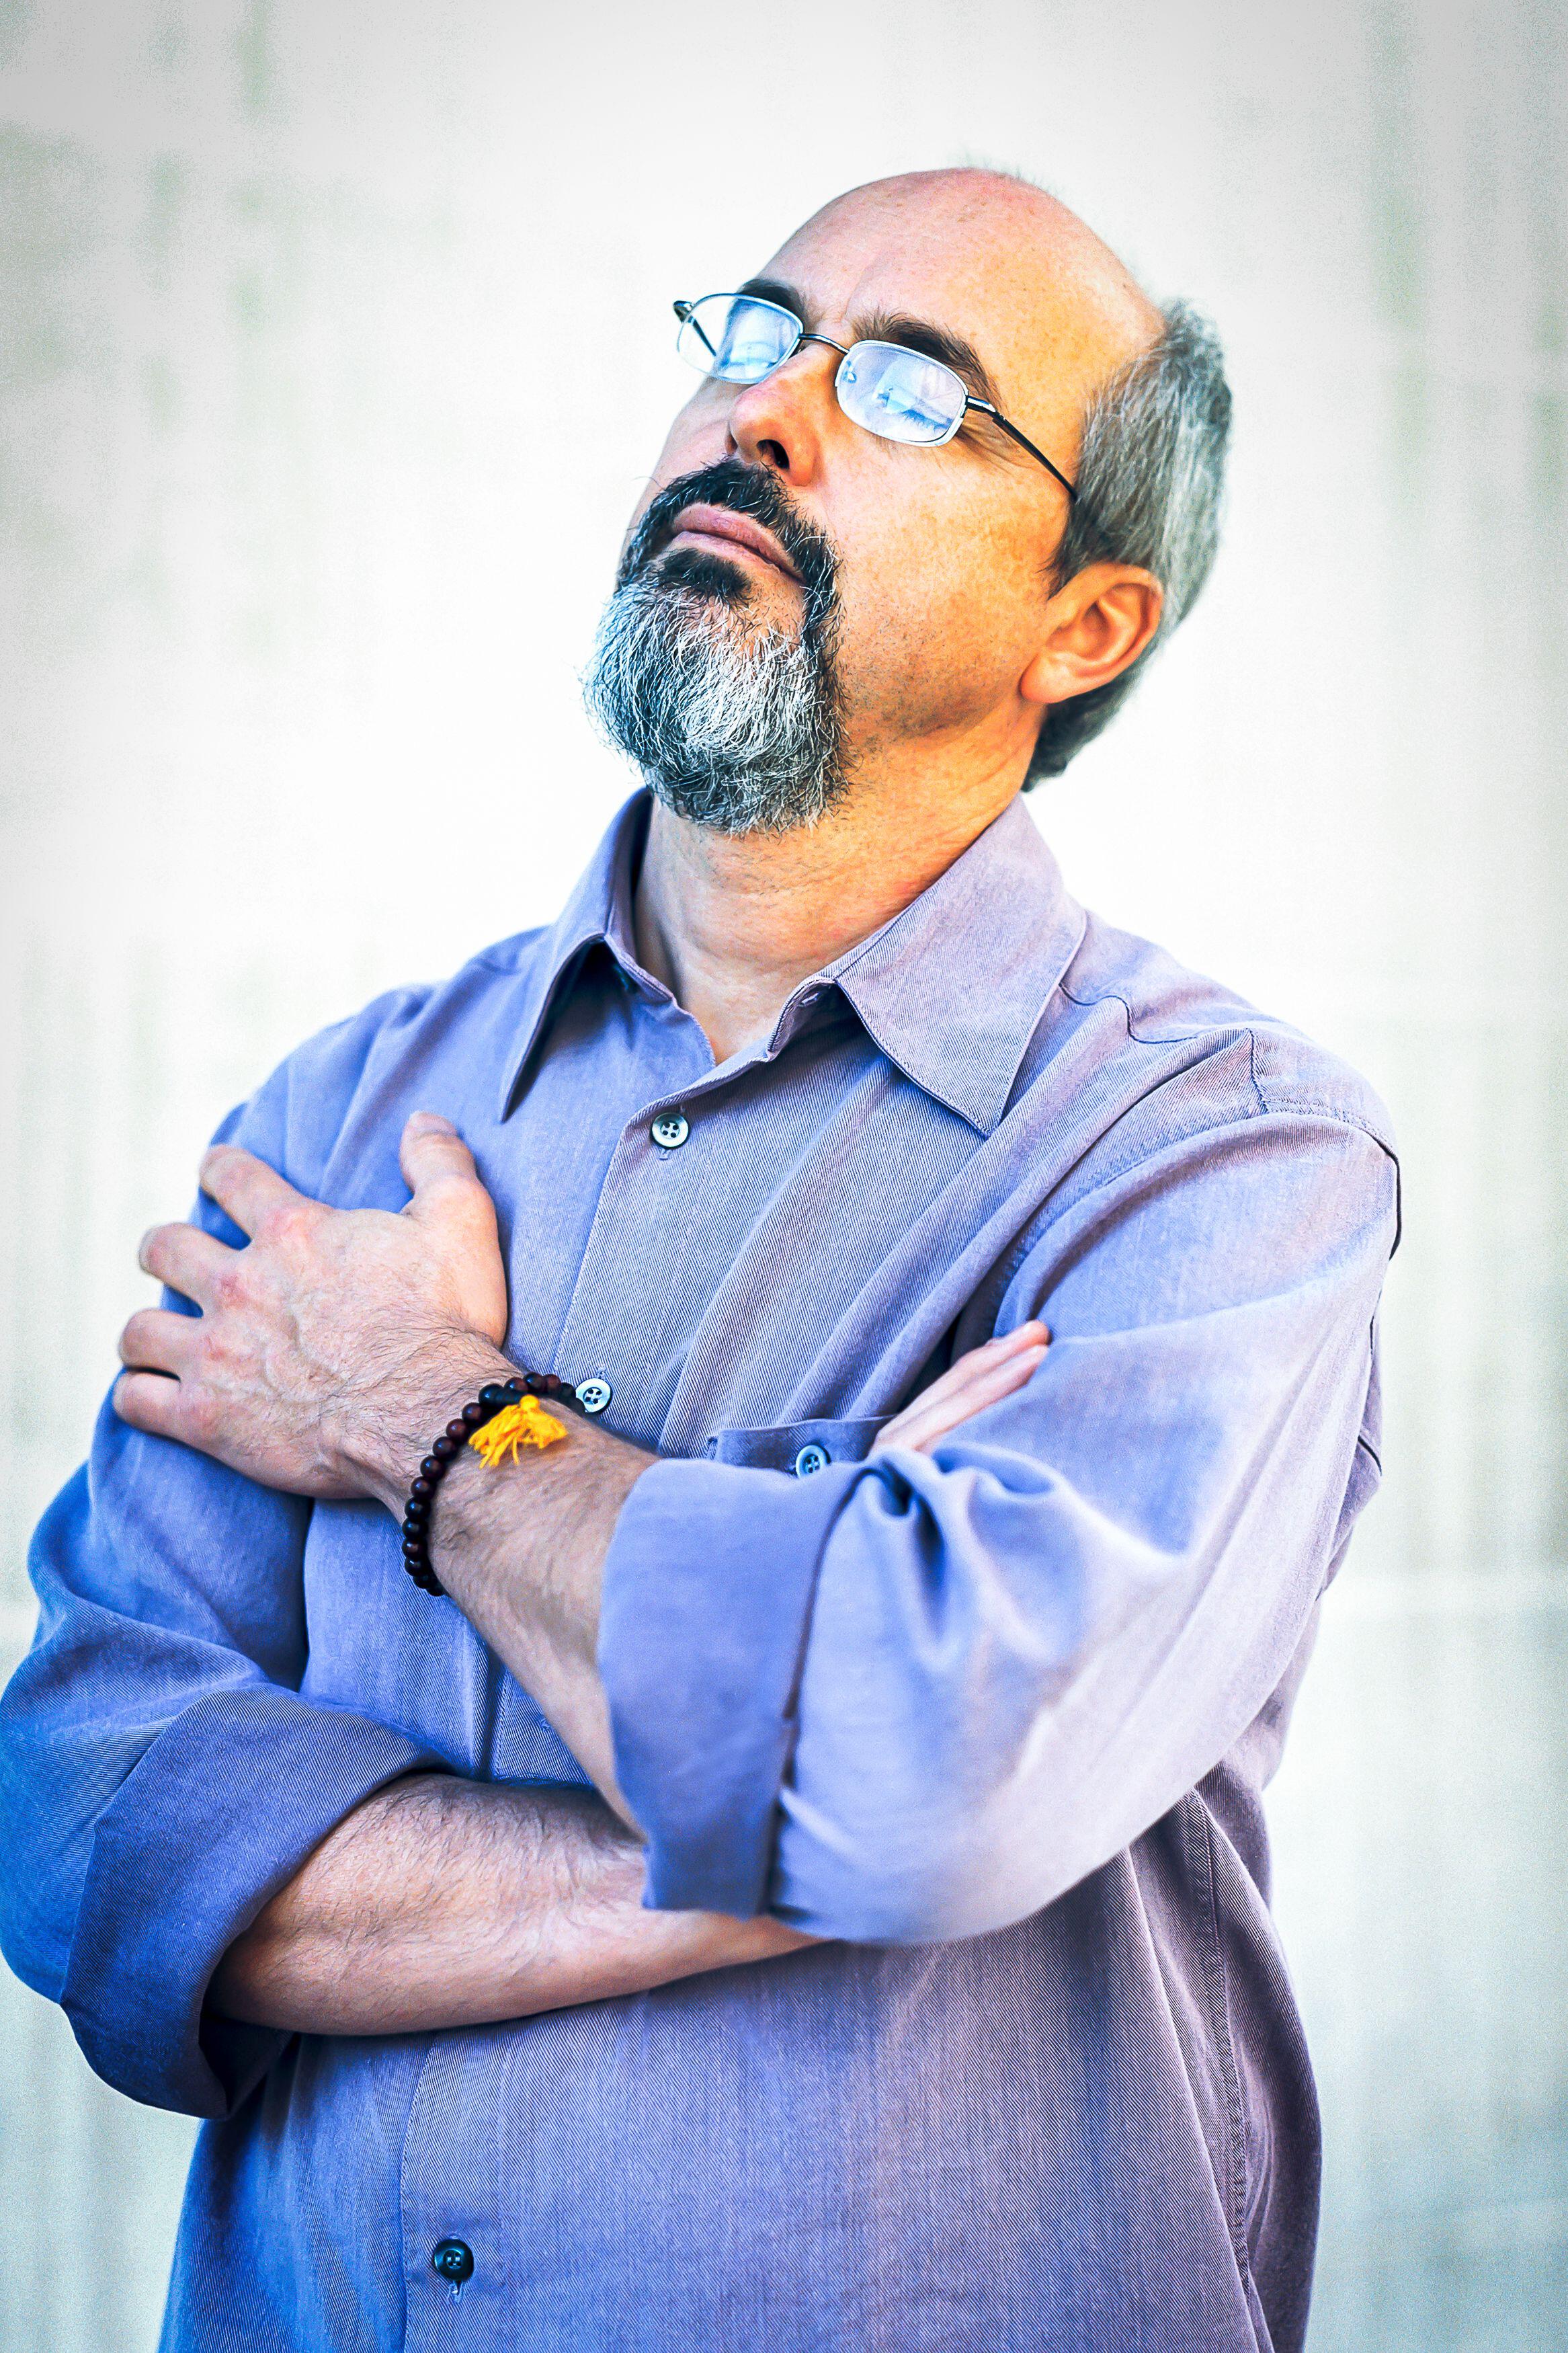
[387,1448]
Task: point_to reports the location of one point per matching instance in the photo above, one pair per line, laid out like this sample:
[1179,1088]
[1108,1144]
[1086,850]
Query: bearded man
[786,1867]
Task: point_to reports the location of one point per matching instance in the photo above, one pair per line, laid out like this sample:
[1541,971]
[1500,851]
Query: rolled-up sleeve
[918,1698]
[160,1773]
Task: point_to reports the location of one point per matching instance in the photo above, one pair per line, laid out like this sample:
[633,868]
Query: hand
[980,1378]
[328,1351]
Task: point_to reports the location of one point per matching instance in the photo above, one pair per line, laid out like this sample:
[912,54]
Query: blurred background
[336,343]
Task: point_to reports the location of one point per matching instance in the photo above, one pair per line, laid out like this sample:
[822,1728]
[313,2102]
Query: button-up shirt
[996,1720]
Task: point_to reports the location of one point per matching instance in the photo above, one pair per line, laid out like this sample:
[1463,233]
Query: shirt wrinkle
[968,1716]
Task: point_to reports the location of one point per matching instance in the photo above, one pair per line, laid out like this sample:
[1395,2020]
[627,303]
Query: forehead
[1049,311]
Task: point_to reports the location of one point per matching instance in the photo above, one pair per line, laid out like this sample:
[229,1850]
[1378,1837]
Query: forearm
[521,1549]
[442,1902]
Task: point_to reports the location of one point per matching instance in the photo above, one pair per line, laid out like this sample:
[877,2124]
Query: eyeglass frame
[683,311]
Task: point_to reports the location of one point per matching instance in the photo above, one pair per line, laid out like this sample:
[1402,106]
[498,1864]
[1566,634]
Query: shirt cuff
[218,1814]
[707,1601]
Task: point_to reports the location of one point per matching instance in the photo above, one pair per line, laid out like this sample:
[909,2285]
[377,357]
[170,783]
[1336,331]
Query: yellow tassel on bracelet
[526,1423]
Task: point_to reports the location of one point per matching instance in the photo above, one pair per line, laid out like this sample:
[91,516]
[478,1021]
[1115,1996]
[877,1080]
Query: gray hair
[1151,473]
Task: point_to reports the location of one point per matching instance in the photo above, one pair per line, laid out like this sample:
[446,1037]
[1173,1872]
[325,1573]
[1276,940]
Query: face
[902,591]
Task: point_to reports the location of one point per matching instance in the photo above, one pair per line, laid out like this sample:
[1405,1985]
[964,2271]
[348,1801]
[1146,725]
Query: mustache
[753,490]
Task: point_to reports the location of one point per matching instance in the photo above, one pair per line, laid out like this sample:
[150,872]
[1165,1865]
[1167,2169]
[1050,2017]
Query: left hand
[327,1352]
[984,1377]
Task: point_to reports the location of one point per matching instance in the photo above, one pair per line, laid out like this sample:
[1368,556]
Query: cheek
[944,585]
[695,439]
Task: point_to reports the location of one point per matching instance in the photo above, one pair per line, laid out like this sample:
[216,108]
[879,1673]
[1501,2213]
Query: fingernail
[427,1123]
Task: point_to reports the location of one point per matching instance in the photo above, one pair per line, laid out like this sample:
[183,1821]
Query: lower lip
[723,544]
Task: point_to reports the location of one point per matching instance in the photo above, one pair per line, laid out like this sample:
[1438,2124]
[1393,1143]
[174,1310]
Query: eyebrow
[923,335]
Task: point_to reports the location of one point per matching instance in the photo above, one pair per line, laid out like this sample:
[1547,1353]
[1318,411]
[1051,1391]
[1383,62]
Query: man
[804,1883]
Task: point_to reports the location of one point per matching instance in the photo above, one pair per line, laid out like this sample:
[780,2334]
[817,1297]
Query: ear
[1096,625]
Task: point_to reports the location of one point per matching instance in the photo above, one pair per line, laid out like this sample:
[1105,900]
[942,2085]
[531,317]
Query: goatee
[734,722]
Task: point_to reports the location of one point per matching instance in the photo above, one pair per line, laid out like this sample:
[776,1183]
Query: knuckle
[199,1413]
[286,1223]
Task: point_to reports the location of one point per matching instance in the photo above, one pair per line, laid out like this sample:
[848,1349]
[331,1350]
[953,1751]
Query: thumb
[432,1153]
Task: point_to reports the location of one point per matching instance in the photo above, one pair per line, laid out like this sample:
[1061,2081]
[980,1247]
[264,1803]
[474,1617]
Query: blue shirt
[996,1719]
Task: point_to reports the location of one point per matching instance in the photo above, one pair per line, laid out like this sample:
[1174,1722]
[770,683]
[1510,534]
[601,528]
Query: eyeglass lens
[737,337]
[898,394]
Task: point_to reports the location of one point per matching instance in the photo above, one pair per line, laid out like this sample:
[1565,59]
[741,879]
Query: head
[807,614]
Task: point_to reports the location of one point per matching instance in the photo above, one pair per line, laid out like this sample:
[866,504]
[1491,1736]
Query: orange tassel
[526,1423]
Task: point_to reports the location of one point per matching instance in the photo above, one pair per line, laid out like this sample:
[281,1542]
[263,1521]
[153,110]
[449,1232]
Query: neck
[732,924]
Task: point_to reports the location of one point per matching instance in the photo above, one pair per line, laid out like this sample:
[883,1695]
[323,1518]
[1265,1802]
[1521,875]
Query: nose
[785,420]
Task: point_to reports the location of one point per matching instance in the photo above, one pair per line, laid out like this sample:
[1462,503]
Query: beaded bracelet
[495,1398]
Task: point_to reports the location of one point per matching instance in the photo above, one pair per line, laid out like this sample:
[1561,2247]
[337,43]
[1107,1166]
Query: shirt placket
[636,1301]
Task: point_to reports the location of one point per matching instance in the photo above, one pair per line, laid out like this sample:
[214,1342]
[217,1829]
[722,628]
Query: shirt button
[811,1458]
[670,1130]
[594,1395]
[454,2259]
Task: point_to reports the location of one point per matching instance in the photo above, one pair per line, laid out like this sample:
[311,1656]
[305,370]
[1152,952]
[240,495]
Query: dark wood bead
[446,1446]
[422,1488]
[457,1431]
[473,1415]
[515,1388]
[431,1467]
[493,1395]
[417,1511]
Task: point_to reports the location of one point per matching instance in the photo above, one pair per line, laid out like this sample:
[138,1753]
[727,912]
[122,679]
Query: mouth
[721,531]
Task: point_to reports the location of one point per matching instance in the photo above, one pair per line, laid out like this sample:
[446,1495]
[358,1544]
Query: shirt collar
[600,908]
[950,991]
[954,988]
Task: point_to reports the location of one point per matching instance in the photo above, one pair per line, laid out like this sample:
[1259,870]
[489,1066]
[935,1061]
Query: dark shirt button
[454,2259]
[811,1458]
[671,1131]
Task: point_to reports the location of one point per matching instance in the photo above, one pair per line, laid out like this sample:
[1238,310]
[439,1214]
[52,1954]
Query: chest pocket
[803,1447]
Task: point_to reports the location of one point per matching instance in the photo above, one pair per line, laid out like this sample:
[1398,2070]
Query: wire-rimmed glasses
[898,394]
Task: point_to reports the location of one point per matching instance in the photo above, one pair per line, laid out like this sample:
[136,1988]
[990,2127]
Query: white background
[334,344]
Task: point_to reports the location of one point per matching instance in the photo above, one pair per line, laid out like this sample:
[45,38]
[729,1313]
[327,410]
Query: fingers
[149,1401]
[432,1153]
[244,1189]
[158,1340]
[923,1425]
[188,1261]
[458,1220]
[439,1171]
[980,1378]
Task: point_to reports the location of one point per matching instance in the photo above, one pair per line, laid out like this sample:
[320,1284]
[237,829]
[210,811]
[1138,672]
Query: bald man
[657,1696]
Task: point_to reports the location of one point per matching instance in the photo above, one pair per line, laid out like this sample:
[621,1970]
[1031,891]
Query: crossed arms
[913,1698]
[325,1357]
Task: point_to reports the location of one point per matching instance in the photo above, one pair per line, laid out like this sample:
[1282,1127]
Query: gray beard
[734,727]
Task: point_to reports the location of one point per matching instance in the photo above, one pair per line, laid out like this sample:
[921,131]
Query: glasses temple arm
[1024,442]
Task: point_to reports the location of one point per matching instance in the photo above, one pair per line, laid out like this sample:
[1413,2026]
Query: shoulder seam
[1228,1031]
[1268,1102]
